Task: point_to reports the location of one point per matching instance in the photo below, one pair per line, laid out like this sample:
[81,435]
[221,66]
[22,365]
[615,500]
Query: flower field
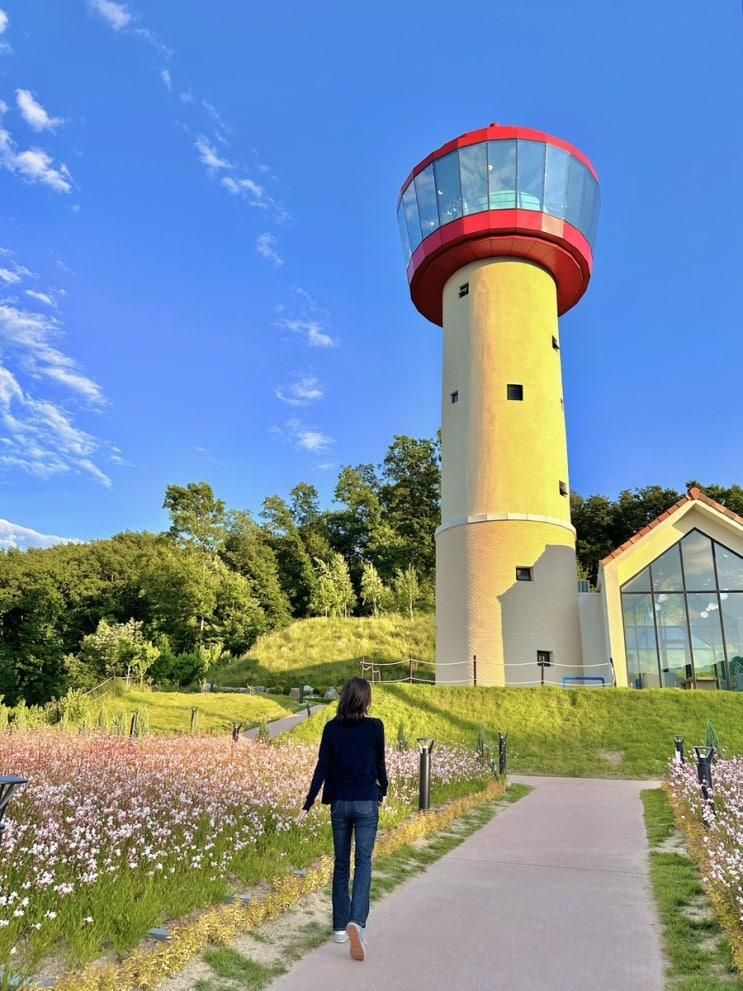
[715,831]
[111,837]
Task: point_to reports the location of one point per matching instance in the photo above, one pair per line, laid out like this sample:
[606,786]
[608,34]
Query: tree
[410,495]
[373,591]
[248,551]
[116,649]
[297,576]
[407,590]
[333,594]
[196,518]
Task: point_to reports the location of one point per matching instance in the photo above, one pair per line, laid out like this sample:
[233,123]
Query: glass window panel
[425,189]
[404,232]
[577,173]
[591,202]
[555,181]
[699,569]
[640,644]
[410,205]
[530,174]
[448,187]
[732,623]
[706,640]
[729,568]
[502,174]
[473,170]
[640,583]
[673,641]
[666,571]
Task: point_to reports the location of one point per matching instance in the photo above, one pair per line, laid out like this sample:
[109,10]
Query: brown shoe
[357,941]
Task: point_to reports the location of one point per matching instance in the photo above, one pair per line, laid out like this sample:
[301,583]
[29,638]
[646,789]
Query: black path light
[502,754]
[705,756]
[425,746]
[8,785]
[679,757]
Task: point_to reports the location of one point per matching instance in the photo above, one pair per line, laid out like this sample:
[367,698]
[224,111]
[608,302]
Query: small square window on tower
[464,290]
[563,489]
[555,344]
[514,391]
[455,396]
[524,575]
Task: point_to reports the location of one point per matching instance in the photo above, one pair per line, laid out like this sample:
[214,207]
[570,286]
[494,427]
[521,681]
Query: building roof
[694,495]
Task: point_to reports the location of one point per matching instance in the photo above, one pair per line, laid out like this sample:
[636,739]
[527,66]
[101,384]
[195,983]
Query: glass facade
[499,175]
[683,618]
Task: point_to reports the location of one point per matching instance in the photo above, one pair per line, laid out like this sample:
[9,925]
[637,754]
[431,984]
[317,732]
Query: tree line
[168,606]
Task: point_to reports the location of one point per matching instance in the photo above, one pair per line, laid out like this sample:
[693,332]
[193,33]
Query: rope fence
[374,671]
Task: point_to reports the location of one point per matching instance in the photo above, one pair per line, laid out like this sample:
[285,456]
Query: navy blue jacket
[351,762]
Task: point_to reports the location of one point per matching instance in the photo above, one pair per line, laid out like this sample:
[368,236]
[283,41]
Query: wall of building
[594,635]
[503,461]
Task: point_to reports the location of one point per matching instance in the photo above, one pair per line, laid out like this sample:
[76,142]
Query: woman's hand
[301,817]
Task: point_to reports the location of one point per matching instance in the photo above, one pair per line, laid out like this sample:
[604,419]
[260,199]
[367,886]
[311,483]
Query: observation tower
[498,228]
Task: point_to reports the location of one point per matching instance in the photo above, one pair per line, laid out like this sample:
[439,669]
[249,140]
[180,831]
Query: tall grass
[611,732]
[327,652]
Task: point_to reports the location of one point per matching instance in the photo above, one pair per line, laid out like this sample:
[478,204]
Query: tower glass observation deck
[517,191]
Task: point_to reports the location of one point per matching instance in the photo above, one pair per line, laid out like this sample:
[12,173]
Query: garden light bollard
[679,756]
[502,754]
[8,785]
[704,757]
[425,746]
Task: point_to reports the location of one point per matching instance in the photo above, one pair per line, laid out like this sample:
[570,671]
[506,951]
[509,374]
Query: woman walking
[351,763]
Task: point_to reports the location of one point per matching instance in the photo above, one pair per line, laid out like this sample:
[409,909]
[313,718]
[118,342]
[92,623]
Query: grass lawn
[584,732]
[327,652]
[171,711]
[697,950]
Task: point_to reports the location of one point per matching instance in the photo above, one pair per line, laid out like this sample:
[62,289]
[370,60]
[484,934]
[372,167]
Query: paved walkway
[552,895]
[279,726]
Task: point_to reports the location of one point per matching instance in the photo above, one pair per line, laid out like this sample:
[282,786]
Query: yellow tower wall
[503,461]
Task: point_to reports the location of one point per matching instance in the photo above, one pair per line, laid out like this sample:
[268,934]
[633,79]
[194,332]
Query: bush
[178,670]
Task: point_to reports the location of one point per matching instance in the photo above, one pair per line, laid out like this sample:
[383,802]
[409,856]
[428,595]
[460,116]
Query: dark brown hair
[355,699]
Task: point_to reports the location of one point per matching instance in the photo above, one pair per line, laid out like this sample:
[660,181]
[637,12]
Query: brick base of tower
[481,611]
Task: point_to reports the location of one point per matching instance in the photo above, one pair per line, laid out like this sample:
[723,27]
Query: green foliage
[614,732]
[407,590]
[263,733]
[374,593]
[711,738]
[333,594]
[402,738]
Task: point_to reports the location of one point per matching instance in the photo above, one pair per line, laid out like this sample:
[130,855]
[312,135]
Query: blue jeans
[362,819]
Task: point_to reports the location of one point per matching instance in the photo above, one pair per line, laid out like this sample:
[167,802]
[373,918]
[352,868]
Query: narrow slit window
[514,391]
[455,396]
[563,488]
[524,575]
[464,290]
[555,343]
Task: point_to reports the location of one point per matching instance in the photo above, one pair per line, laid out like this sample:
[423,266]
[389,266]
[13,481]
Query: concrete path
[279,726]
[552,895]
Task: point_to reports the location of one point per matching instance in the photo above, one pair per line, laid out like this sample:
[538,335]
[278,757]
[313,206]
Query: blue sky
[201,276]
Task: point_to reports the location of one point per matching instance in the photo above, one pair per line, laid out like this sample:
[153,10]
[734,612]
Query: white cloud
[13,535]
[209,156]
[9,277]
[116,14]
[4,21]
[265,245]
[31,335]
[165,76]
[302,437]
[301,392]
[33,164]
[41,297]
[215,116]
[39,437]
[33,112]
[312,330]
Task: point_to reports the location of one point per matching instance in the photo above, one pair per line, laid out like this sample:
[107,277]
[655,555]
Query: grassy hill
[171,711]
[611,732]
[323,652]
